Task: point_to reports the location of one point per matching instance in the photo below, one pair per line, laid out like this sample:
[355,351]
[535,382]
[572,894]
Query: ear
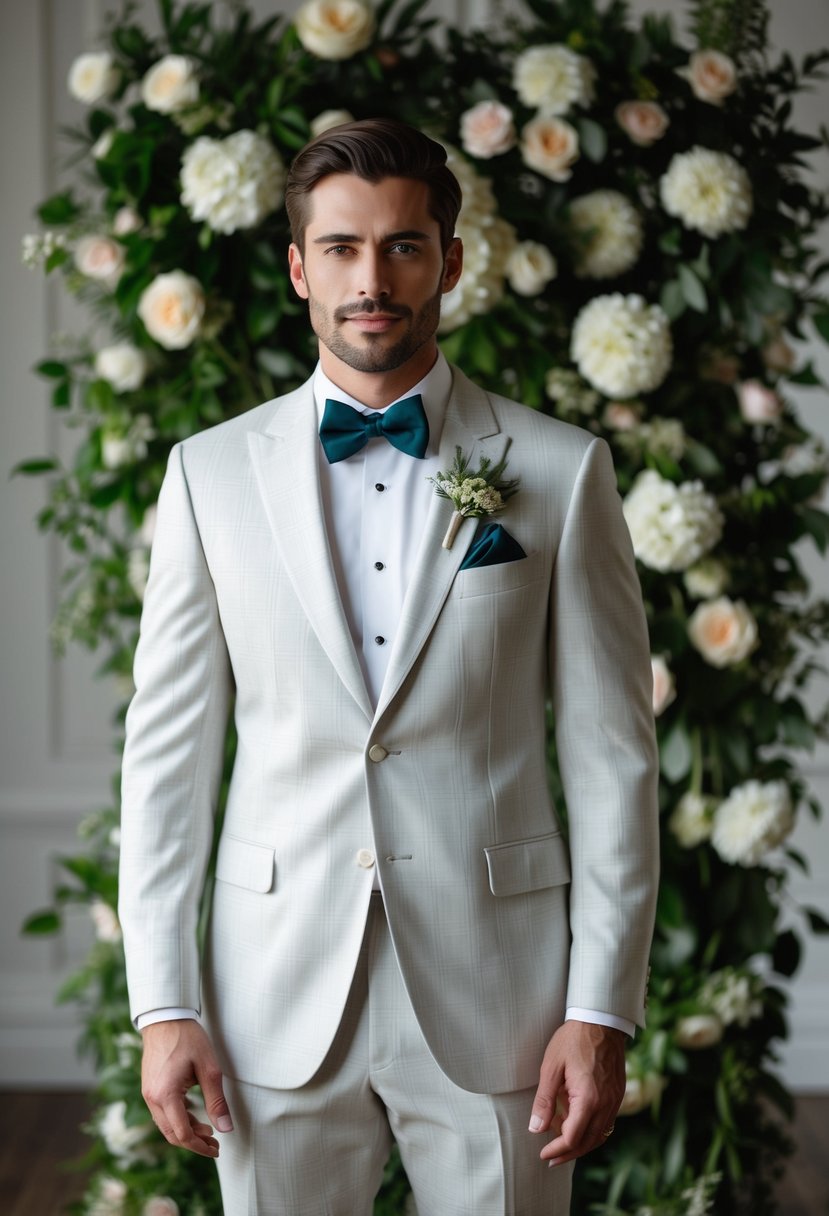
[295,271]
[452,264]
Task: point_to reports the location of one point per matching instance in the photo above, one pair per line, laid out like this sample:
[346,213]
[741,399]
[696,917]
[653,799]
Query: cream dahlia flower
[622,345]
[708,191]
[609,234]
[232,183]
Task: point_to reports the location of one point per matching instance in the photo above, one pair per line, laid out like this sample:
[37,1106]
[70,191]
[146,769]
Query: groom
[401,942]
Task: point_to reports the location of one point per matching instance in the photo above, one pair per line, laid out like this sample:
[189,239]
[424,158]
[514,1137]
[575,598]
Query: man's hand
[177,1056]
[580,1090]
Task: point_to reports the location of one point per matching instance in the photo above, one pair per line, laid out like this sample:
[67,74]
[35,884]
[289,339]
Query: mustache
[365,308]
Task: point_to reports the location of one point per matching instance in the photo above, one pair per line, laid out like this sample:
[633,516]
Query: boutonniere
[473,495]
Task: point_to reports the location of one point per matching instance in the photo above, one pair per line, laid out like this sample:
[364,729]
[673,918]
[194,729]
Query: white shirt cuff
[174,1014]
[574,1014]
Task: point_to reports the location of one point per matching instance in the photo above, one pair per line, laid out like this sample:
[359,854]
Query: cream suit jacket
[497,923]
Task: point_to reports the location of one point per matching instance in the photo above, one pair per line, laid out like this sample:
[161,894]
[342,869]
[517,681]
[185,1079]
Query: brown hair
[373,149]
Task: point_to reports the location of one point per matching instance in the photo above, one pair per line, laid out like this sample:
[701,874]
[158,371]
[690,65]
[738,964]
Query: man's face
[373,272]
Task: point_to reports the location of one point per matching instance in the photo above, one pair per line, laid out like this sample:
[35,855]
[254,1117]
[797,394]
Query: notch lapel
[285,462]
[471,425]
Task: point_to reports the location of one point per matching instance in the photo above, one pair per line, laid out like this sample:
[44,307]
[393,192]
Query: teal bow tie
[344,430]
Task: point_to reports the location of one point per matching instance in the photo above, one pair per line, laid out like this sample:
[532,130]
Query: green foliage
[693,1136]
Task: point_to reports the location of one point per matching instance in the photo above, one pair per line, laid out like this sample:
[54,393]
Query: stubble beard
[374,357]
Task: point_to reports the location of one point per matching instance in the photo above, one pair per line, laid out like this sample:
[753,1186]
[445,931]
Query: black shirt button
[379,487]
[379,566]
[380,641]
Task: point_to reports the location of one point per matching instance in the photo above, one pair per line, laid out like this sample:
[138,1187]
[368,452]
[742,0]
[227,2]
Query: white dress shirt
[375,505]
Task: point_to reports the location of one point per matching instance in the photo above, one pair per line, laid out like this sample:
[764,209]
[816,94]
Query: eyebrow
[351,238]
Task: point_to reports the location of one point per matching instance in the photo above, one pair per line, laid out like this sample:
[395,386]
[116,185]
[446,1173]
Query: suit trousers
[320,1149]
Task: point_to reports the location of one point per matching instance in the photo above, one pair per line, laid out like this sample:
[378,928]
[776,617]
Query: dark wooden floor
[39,1131]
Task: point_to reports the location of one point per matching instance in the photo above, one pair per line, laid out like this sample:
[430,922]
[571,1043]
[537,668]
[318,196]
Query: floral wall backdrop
[641,260]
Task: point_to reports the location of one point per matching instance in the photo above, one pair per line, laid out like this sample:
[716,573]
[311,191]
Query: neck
[379,389]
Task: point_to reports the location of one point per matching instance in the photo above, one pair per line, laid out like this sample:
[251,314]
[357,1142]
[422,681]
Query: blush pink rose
[712,76]
[550,146]
[487,130]
[758,403]
[644,122]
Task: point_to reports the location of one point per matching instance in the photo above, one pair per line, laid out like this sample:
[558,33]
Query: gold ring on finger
[609,1131]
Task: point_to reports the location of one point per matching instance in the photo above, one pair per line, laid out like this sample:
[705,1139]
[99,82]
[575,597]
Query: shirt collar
[434,390]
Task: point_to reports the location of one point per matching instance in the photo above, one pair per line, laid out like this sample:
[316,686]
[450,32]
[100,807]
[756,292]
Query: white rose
[707,579]
[172,308]
[100,258]
[664,685]
[553,78]
[708,191]
[126,220]
[530,267]
[609,234]
[691,819]
[671,526]
[723,631]
[622,345]
[758,403]
[125,1143]
[170,85]
[712,76]
[698,1030]
[755,818]
[93,77]
[644,122]
[232,183]
[551,147]
[335,29]
[123,365]
[105,920]
[119,449]
[328,119]
[640,1091]
[160,1206]
[487,130]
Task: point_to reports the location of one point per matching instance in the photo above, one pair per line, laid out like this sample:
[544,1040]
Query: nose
[374,280]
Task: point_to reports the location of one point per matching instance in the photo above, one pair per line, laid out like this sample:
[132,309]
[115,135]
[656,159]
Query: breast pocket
[506,576]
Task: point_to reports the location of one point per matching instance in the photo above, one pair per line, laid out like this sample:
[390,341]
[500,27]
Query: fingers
[581,1132]
[177,1056]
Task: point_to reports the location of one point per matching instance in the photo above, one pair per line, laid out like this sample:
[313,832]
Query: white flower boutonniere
[473,495]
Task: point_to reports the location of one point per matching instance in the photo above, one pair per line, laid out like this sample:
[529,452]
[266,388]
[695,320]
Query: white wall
[55,733]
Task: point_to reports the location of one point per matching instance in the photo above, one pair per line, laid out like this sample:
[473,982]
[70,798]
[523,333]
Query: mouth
[373,323]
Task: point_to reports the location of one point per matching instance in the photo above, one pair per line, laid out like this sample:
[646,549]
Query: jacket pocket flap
[528,865]
[245,864]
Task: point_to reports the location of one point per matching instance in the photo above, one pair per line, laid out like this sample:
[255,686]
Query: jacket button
[365,858]
[377,752]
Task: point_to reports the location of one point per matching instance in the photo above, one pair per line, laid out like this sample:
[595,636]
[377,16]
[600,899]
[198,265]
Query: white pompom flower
[553,78]
[608,232]
[232,183]
[755,818]
[707,191]
[622,345]
[671,526]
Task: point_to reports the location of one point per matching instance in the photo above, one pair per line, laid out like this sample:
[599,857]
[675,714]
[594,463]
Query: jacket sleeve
[175,732]
[602,699]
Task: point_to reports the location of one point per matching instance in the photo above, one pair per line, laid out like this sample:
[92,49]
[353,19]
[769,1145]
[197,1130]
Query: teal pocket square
[492,545]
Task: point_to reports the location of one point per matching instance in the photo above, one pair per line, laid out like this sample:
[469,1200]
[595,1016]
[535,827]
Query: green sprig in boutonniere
[473,495]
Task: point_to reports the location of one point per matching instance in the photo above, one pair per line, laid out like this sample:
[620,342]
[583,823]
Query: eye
[338,250]
[404,247]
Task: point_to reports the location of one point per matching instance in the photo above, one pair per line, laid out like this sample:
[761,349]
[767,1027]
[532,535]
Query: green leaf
[42,923]
[592,139]
[676,754]
[806,376]
[692,289]
[672,299]
[30,468]
[52,369]
[816,523]
[821,323]
[785,956]
[59,209]
[817,921]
